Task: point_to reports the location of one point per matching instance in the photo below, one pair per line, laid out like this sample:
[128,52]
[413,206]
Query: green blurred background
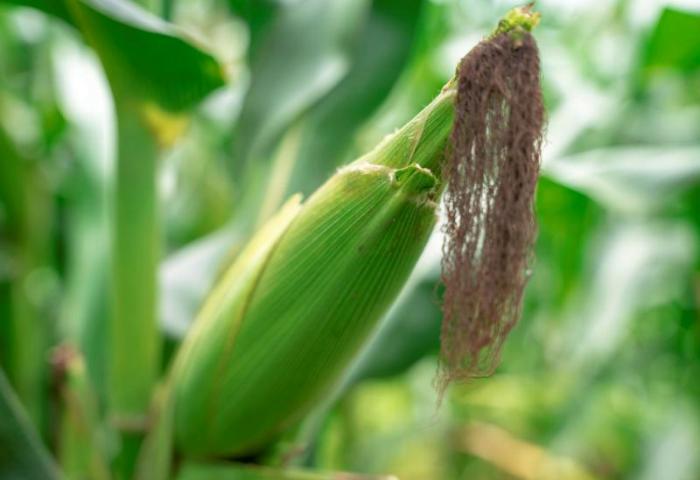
[601,377]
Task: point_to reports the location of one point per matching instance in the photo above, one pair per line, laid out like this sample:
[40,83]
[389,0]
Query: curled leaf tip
[491,175]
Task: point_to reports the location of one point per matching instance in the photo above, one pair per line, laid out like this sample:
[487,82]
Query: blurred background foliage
[600,379]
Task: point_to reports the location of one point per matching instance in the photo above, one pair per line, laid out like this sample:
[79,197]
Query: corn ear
[293,310]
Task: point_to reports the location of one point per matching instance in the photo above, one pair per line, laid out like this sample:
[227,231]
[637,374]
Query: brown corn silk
[491,176]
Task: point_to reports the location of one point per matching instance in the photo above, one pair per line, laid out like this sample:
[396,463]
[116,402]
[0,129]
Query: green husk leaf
[284,323]
[154,461]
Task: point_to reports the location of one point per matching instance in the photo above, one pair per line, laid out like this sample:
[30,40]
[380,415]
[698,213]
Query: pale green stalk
[133,349]
[134,338]
[134,345]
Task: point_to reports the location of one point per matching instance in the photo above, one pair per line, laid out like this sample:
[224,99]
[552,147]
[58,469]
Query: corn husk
[290,314]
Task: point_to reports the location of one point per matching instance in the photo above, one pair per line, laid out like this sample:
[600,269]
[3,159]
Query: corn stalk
[24,326]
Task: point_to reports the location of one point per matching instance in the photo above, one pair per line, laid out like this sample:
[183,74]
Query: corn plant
[286,318]
[329,269]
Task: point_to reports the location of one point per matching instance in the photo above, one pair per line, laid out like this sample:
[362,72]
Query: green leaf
[144,56]
[22,456]
[630,178]
[675,41]
[257,14]
[381,50]
[56,8]
[304,46]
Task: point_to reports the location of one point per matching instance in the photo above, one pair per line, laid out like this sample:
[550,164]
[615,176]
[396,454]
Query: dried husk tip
[490,175]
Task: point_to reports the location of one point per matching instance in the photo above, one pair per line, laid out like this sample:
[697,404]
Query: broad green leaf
[305,46]
[559,259]
[56,8]
[132,43]
[22,455]
[144,56]
[381,49]
[675,41]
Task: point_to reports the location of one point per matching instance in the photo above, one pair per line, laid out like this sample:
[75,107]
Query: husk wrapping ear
[491,176]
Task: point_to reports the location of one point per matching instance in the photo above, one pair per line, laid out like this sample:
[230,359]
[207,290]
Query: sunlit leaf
[132,43]
[630,177]
[675,41]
